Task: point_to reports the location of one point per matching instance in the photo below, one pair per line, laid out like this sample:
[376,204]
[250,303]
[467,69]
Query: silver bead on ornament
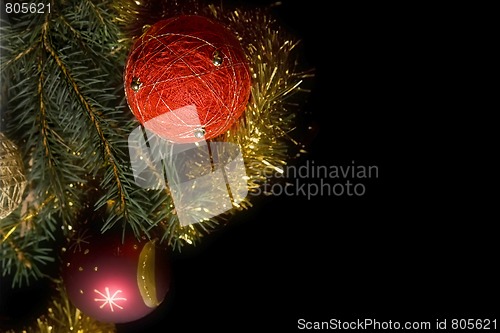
[136,84]
[199,133]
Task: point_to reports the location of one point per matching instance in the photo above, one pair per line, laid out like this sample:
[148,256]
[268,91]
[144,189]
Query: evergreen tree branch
[61,111]
[91,113]
[22,257]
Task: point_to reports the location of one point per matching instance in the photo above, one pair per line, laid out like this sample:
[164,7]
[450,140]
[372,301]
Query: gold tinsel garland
[12,178]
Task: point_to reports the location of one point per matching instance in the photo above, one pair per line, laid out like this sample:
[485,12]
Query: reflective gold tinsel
[12,178]
[265,132]
[63,317]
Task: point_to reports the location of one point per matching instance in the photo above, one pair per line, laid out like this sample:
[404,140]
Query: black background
[417,246]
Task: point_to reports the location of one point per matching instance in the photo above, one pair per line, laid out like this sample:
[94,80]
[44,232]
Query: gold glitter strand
[12,178]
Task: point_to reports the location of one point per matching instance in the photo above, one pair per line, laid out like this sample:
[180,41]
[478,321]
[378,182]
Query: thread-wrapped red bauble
[114,281]
[187,79]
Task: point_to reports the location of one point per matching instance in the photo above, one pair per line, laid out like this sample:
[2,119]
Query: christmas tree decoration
[115,281]
[12,178]
[194,72]
[187,79]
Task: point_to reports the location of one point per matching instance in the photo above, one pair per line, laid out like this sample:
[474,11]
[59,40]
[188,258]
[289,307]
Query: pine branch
[65,104]
[22,257]
[91,113]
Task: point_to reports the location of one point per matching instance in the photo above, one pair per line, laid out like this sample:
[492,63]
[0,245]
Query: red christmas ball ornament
[113,281]
[187,79]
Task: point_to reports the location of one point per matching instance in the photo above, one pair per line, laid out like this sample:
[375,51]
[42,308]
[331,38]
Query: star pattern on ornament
[109,299]
[79,240]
